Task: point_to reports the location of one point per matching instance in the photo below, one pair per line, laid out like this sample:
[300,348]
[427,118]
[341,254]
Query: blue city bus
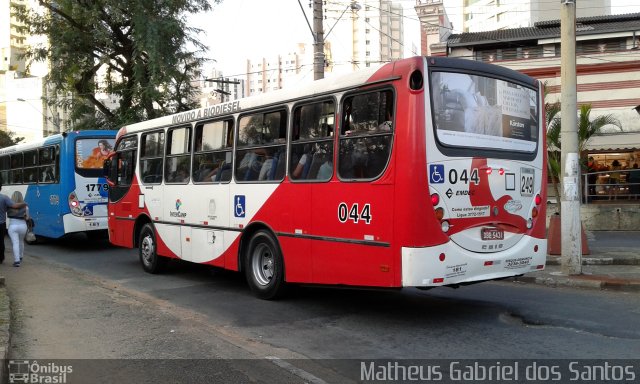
[61,178]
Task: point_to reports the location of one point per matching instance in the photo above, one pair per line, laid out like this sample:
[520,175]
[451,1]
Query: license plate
[492,234]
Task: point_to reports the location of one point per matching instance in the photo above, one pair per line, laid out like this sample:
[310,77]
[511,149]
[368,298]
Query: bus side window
[16,169]
[151,157]
[178,156]
[366,135]
[212,158]
[312,142]
[47,165]
[5,166]
[261,146]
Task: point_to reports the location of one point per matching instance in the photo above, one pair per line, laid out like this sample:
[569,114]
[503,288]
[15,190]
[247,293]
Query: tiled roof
[549,29]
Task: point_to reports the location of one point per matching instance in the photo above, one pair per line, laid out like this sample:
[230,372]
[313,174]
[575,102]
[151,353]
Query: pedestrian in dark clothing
[5,203]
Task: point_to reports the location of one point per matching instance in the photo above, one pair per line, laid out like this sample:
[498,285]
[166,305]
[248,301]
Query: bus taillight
[439,213]
[74,204]
[435,199]
[538,199]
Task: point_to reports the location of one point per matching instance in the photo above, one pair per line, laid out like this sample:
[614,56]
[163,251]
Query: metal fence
[602,187]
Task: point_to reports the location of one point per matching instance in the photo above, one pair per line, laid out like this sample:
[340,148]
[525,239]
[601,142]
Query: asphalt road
[81,299]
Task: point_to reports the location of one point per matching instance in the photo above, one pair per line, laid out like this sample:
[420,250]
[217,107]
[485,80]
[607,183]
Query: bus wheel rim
[147,249]
[263,264]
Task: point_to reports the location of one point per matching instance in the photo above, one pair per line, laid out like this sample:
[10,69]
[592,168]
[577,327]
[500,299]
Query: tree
[7,139]
[586,129]
[134,50]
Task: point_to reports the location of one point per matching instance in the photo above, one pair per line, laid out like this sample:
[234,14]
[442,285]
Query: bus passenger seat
[318,159]
[277,168]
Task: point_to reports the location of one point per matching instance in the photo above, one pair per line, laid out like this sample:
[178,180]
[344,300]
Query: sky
[237,30]
[242,29]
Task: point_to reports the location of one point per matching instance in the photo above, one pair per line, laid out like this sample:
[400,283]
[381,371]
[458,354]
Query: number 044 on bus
[422,172]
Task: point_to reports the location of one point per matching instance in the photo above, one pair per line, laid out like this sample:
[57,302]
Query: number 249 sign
[353,213]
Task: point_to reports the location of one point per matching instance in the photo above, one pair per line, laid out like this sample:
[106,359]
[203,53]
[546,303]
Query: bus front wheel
[149,258]
[264,266]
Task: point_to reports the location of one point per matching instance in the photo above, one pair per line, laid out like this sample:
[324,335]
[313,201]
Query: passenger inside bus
[179,176]
[304,163]
[215,173]
[47,174]
[205,172]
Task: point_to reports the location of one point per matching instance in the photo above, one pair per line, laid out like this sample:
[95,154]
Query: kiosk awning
[614,142]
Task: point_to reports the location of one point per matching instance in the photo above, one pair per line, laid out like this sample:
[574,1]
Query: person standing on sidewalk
[18,227]
[6,203]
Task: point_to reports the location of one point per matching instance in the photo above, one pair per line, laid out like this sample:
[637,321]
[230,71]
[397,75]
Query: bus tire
[147,249]
[264,266]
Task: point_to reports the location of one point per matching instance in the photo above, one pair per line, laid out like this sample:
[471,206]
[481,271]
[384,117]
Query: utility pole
[318,41]
[570,223]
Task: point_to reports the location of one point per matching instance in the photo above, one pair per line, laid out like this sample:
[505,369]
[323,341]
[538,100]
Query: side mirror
[106,167]
[107,171]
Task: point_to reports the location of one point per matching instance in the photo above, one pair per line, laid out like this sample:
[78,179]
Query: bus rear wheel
[264,266]
[149,258]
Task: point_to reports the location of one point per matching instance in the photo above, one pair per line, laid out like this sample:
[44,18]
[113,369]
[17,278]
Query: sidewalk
[613,264]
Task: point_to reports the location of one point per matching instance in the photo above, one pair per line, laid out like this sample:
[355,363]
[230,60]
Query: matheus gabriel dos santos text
[497,371]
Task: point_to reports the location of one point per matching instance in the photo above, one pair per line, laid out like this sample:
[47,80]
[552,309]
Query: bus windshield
[483,112]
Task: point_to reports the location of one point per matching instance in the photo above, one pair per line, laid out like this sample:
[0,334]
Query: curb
[5,336]
[555,260]
[583,281]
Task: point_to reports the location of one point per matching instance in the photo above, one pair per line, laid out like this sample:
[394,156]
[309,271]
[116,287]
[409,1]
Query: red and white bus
[422,172]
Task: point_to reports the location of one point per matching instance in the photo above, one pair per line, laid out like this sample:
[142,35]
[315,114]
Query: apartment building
[486,15]
[23,95]
[358,34]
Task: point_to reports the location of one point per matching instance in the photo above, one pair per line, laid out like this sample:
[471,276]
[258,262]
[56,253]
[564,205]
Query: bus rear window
[481,112]
[91,153]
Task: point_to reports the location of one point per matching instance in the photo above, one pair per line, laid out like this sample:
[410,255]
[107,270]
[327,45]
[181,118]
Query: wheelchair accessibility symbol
[436,173]
[239,206]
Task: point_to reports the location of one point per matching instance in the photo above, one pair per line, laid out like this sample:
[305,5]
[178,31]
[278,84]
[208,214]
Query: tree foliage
[587,127]
[142,53]
[8,138]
